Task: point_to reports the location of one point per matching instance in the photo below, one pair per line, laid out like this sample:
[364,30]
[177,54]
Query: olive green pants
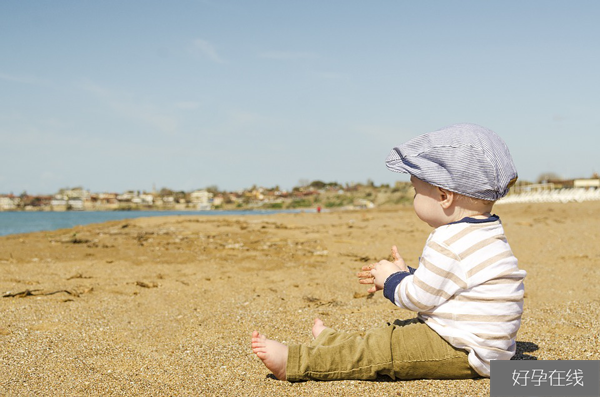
[406,349]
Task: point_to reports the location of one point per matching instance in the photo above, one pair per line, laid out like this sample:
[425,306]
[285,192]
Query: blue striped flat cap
[463,158]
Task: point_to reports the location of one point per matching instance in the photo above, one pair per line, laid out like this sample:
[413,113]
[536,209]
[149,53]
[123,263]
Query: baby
[467,290]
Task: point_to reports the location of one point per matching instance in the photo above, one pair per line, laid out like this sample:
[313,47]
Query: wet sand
[166,306]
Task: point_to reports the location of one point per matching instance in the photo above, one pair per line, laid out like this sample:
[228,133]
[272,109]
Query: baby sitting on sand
[467,290]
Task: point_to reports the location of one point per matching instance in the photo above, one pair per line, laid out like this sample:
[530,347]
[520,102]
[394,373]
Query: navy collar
[467,219]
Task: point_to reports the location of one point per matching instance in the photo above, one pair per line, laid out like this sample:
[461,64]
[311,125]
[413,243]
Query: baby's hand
[398,261]
[377,273]
[365,277]
[381,271]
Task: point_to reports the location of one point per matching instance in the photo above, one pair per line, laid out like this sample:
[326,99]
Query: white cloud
[16,79]
[188,105]
[208,50]
[332,75]
[559,118]
[287,55]
[131,107]
[244,118]
[22,79]
[95,89]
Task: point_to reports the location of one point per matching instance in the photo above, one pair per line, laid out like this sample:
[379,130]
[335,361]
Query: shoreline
[60,220]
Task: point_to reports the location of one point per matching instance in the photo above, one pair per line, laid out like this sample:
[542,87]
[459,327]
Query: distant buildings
[316,194]
[70,199]
[586,183]
[9,203]
[79,199]
[555,191]
[202,200]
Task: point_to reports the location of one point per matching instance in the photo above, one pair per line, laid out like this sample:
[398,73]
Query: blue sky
[118,95]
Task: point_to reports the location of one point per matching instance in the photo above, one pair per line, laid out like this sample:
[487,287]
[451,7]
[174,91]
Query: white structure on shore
[202,200]
[8,203]
[586,183]
[553,196]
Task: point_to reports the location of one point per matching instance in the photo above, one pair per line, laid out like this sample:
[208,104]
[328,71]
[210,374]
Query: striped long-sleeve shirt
[468,288]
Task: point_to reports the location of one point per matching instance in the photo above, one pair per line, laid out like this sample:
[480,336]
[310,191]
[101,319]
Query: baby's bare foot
[317,328]
[272,353]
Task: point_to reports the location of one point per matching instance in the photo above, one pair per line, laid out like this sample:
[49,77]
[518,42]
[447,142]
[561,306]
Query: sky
[131,95]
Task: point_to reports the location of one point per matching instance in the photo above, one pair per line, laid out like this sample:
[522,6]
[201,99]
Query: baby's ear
[446,197]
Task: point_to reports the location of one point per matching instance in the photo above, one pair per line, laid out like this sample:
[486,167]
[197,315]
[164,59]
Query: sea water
[34,221]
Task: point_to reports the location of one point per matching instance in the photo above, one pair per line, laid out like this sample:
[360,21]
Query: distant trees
[323,185]
[214,189]
[164,192]
[318,184]
[547,177]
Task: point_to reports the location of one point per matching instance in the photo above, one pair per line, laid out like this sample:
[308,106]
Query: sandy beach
[166,306]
